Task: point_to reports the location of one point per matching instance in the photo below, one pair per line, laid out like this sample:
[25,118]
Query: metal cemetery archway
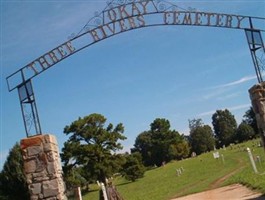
[124,15]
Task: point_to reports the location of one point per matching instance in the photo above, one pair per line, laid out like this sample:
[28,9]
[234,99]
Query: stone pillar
[42,167]
[257,96]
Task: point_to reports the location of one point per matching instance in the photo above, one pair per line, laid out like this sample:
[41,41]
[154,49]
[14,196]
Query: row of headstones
[179,171]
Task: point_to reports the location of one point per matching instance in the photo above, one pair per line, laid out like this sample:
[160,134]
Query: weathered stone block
[51,168]
[34,197]
[34,150]
[52,198]
[50,139]
[50,188]
[35,188]
[41,196]
[30,166]
[39,174]
[40,179]
[41,161]
[50,147]
[51,157]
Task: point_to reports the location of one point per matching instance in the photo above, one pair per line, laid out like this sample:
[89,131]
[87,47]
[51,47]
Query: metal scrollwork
[161,6]
[109,5]
[174,8]
[261,61]
[121,2]
[29,120]
[87,28]
[98,20]
[71,36]
[191,9]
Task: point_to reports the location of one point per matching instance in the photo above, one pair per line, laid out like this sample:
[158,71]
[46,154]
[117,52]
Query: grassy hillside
[200,173]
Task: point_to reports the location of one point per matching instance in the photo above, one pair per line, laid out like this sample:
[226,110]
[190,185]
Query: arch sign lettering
[124,15]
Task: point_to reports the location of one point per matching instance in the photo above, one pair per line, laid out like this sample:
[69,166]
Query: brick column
[42,167]
[257,96]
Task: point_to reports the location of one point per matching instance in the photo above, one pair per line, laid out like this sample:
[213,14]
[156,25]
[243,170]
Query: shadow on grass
[85,192]
[125,183]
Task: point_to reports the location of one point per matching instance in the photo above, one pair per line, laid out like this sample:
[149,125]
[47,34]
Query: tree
[12,180]
[250,119]
[160,144]
[75,178]
[179,150]
[202,139]
[143,144]
[225,127]
[133,168]
[195,123]
[92,146]
[245,132]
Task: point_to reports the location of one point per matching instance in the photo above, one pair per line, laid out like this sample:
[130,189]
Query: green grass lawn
[200,173]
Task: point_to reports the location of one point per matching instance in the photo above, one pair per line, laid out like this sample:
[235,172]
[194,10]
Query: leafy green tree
[143,144]
[202,139]
[225,127]
[92,146]
[161,139]
[245,132]
[74,178]
[133,168]
[160,144]
[195,123]
[250,119]
[179,150]
[201,136]
[12,180]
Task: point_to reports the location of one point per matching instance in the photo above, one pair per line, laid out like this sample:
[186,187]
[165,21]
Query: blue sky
[172,72]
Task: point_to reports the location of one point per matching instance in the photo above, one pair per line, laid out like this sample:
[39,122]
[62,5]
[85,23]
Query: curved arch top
[125,15]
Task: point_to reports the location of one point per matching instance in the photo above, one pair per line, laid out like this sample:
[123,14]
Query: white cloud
[233,108]
[242,80]
[223,88]
[215,93]
[206,113]
[237,82]
[239,107]
[229,96]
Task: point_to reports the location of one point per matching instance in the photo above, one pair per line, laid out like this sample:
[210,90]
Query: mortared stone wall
[257,96]
[42,167]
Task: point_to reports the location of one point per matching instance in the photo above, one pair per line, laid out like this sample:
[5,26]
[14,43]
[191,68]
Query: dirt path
[218,183]
[232,192]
